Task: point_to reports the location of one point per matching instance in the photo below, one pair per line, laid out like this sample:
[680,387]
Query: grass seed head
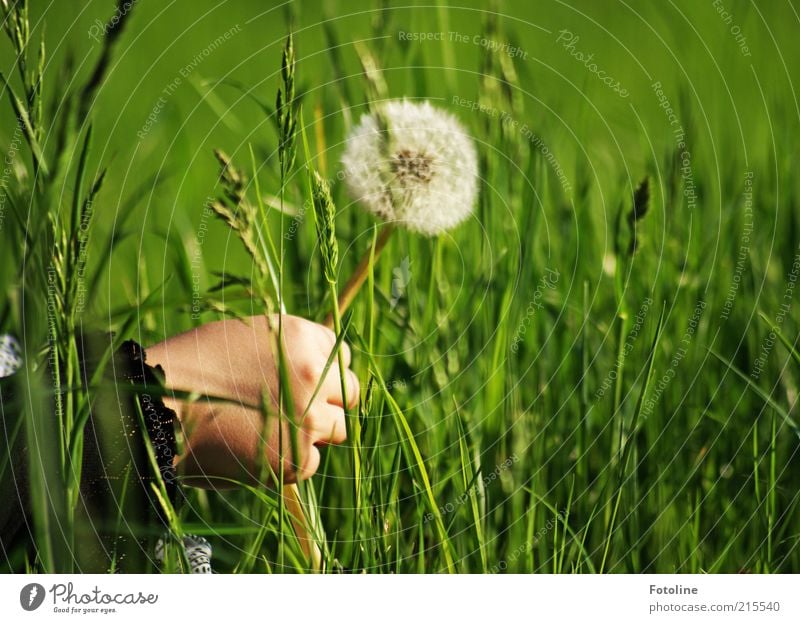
[325,216]
[285,113]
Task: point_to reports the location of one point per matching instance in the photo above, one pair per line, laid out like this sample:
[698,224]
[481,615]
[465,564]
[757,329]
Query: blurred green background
[737,106]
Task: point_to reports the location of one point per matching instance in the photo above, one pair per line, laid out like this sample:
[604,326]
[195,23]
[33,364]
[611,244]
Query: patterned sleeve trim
[131,365]
[10,355]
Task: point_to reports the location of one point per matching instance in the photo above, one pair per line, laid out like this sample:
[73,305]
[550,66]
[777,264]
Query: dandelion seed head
[424,177]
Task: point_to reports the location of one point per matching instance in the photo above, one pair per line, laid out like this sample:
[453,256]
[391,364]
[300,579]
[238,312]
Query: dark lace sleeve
[130,366]
[121,512]
[118,477]
[13,457]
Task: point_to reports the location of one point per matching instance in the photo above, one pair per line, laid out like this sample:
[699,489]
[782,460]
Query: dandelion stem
[359,276]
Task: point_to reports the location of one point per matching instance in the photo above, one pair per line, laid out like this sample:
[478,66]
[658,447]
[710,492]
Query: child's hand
[235,359]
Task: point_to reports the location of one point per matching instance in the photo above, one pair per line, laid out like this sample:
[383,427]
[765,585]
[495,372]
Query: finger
[347,354]
[297,466]
[331,385]
[328,338]
[330,343]
[327,424]
[353,388]
[311,461]
[333,388]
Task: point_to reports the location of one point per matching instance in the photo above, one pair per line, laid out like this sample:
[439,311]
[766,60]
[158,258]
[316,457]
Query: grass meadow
[595,373]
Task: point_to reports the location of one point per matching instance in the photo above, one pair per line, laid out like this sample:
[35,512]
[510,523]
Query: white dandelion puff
[424,177]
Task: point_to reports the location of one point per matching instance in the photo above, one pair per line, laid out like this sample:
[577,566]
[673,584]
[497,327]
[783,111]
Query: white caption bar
[226,598]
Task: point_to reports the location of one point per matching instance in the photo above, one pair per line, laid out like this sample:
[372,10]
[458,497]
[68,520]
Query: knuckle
[311,421]
[330,336]
[310,371]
